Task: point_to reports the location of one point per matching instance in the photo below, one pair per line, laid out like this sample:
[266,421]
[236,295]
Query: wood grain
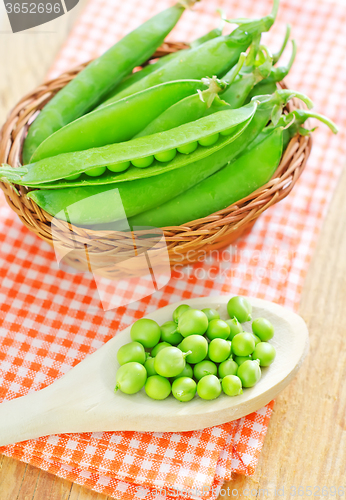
[306,440]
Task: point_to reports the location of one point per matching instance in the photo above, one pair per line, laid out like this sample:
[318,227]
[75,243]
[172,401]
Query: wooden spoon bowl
[83,400]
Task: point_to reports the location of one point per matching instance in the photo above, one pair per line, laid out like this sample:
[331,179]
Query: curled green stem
[254,49]
[286,95]
[259,25]
[223,19]
[278,54]
[231,75]
[278,74]
[301,115]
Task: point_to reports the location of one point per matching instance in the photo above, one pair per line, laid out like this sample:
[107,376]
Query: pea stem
[279,73]
[278,54]
[302,115]
[286,95]
[231,75]
[185,354]
[264,69]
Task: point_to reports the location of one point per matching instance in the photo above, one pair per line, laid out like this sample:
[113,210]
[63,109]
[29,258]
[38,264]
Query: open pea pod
[61,166]
[117,122]
[237,179]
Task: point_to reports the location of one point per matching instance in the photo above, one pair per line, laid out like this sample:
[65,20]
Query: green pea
[211,313]
[184,389]
[73,177]
[146,331]
[143,162]
[241,359]
[256,339]
[197,345]
[210,140]
[240,308]
[157,387]
[228,367]
[130,378]
[243,344]
[204,368]
[263,329]
[209,387]
[249,373]
[192,322]
[159,348]
[133,351]
[170,334]
[188,148]
[165,156]
[149,366]
[219,350]
[235,327]
[228,131]
[170,362]
[265,353]
[231,385]
[96,172]
[187,372]
[119,167]
[179,311]
[218,329]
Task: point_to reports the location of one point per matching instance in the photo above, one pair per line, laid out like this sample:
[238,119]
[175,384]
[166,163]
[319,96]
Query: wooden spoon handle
[25,418]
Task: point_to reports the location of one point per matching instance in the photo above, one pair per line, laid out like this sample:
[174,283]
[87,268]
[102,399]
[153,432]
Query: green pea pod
[67,164]
[211,58]
[150,68]
[235,181]
[138,75]
[97,205]
[156,168]
[89,205]
[117,122]
[268,85]
[100,76]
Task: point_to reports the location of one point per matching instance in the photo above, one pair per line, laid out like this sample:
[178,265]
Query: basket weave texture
[185,243]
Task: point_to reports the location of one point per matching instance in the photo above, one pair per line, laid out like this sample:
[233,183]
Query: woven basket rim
[218,228]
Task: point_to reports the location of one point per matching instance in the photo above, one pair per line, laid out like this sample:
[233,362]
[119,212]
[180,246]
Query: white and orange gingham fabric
[51,320]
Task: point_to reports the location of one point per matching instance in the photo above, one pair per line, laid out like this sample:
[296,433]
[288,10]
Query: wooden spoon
[83,400]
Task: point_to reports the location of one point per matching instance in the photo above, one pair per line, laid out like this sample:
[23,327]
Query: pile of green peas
[196,352]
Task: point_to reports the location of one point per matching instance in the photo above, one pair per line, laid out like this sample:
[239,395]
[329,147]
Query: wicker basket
[186,242]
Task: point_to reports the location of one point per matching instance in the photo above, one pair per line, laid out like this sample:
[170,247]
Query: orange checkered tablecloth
[51,320]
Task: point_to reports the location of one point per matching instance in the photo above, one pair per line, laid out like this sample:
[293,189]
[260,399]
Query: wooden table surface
[306,441]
